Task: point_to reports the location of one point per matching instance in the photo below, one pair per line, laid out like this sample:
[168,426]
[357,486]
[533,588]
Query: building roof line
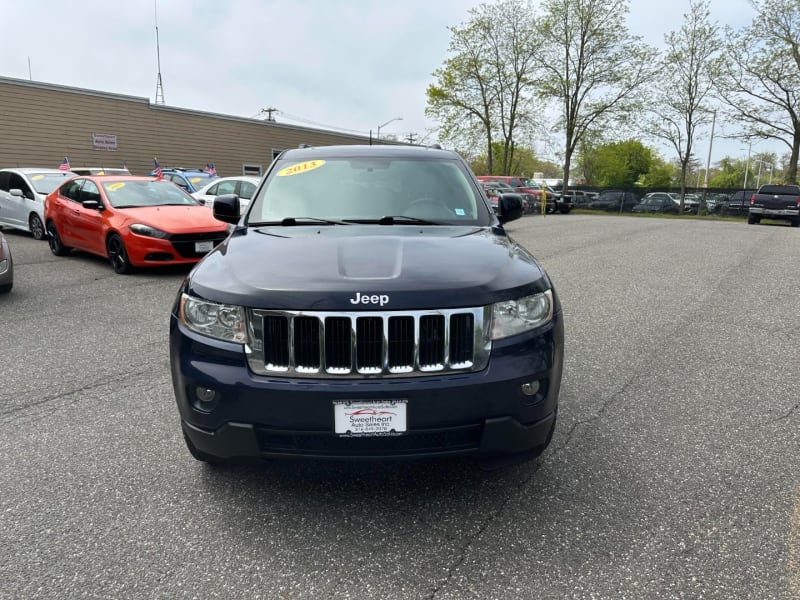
[162,107]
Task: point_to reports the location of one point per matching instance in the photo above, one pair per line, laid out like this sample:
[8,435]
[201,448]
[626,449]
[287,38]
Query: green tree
[730,173]
[586,162]
[622,164]
[591,65]
[660,175]
[525,163]
[484,87]
[760,83]
[681,103]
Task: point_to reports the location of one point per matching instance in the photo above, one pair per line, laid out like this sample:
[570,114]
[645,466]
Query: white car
[22,194]
[243,186]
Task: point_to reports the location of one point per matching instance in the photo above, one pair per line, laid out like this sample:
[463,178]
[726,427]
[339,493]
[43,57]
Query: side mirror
[509,208]
[93,205]
[226,208]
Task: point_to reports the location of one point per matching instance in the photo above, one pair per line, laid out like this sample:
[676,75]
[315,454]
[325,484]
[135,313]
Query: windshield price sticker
[302,167]
[370,418]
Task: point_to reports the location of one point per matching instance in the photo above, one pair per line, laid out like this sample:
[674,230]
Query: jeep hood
[400,267]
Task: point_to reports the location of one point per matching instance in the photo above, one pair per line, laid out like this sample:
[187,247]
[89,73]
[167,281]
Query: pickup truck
[775,202]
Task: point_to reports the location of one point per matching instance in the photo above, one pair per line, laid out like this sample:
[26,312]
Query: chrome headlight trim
[512,317]
[219,321]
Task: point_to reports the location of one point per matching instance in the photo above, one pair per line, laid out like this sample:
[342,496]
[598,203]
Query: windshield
[44,183]
[130,194]
[200,179]
[351,189]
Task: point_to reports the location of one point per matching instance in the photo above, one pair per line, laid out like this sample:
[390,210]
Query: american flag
[64,166]
[211,169]
[159,173]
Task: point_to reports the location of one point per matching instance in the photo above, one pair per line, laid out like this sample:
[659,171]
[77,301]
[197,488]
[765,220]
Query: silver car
[6,266]
[22,194]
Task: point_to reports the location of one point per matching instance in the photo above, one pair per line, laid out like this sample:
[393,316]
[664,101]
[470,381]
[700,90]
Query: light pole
[760,164]
[385,124]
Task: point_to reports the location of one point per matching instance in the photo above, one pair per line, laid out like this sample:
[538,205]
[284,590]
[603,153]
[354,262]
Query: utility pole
[269,112]
[747,164]
[410,138]
[708,165]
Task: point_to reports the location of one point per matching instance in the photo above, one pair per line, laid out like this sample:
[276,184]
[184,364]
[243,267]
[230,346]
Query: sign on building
[104,141]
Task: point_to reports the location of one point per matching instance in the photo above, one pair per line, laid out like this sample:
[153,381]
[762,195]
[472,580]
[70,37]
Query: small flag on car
[159,172]
[211,169]
[64,166]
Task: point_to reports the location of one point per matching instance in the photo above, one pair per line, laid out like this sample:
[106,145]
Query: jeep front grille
[368,344]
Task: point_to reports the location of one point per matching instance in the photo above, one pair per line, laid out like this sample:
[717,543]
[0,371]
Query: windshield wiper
[394,220]
[290,221]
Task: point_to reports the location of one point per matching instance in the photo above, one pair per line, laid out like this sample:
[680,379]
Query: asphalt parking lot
[674,471]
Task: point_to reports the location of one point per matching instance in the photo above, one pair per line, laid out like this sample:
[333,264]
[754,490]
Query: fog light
[205,395]
[204,399]
[530,388]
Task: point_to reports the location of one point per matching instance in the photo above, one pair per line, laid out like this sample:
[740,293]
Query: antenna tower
[159,86]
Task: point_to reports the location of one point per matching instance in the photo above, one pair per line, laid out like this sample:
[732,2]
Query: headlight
[146,230]
[221,321]
[518,316]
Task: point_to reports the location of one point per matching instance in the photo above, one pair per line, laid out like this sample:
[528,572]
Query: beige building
[41,123]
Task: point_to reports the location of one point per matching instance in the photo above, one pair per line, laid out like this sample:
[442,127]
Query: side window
[226,187]
[212,191]
[180,182]
[247,190]
[90,192]
[5,177]
[18,183]
[72,190]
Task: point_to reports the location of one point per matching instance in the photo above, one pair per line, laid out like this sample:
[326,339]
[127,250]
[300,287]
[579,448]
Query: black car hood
[352,267]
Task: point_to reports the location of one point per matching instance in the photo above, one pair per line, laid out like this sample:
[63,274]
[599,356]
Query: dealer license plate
[369,418]
[203,246]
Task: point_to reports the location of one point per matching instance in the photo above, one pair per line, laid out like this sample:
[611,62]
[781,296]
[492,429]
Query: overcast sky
[349,65]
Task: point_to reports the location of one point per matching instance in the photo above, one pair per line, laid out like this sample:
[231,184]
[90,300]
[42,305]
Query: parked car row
[735,204]
[552,199]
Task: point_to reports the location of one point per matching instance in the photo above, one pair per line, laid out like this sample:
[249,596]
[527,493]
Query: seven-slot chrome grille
[378,344]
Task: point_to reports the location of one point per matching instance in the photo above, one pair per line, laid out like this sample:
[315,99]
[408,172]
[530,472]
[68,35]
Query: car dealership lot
[674,471]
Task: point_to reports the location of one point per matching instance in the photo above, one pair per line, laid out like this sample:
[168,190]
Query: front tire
[57,247]
[36,227]
[117,255]
[753,219]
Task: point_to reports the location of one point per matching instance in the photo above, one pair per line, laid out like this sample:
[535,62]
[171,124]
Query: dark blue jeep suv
[368,304]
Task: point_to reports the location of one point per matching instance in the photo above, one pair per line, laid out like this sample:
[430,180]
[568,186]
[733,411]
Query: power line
[318,124]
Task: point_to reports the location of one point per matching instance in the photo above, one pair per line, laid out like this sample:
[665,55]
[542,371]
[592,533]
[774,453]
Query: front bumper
[481,414]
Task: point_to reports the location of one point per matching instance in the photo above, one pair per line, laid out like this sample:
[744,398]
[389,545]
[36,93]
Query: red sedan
[132,221]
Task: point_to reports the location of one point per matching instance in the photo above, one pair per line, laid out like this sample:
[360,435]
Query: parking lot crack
[33,408]
[484,527]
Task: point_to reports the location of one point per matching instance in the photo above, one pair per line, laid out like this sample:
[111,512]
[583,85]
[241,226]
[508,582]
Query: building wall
[42,123]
